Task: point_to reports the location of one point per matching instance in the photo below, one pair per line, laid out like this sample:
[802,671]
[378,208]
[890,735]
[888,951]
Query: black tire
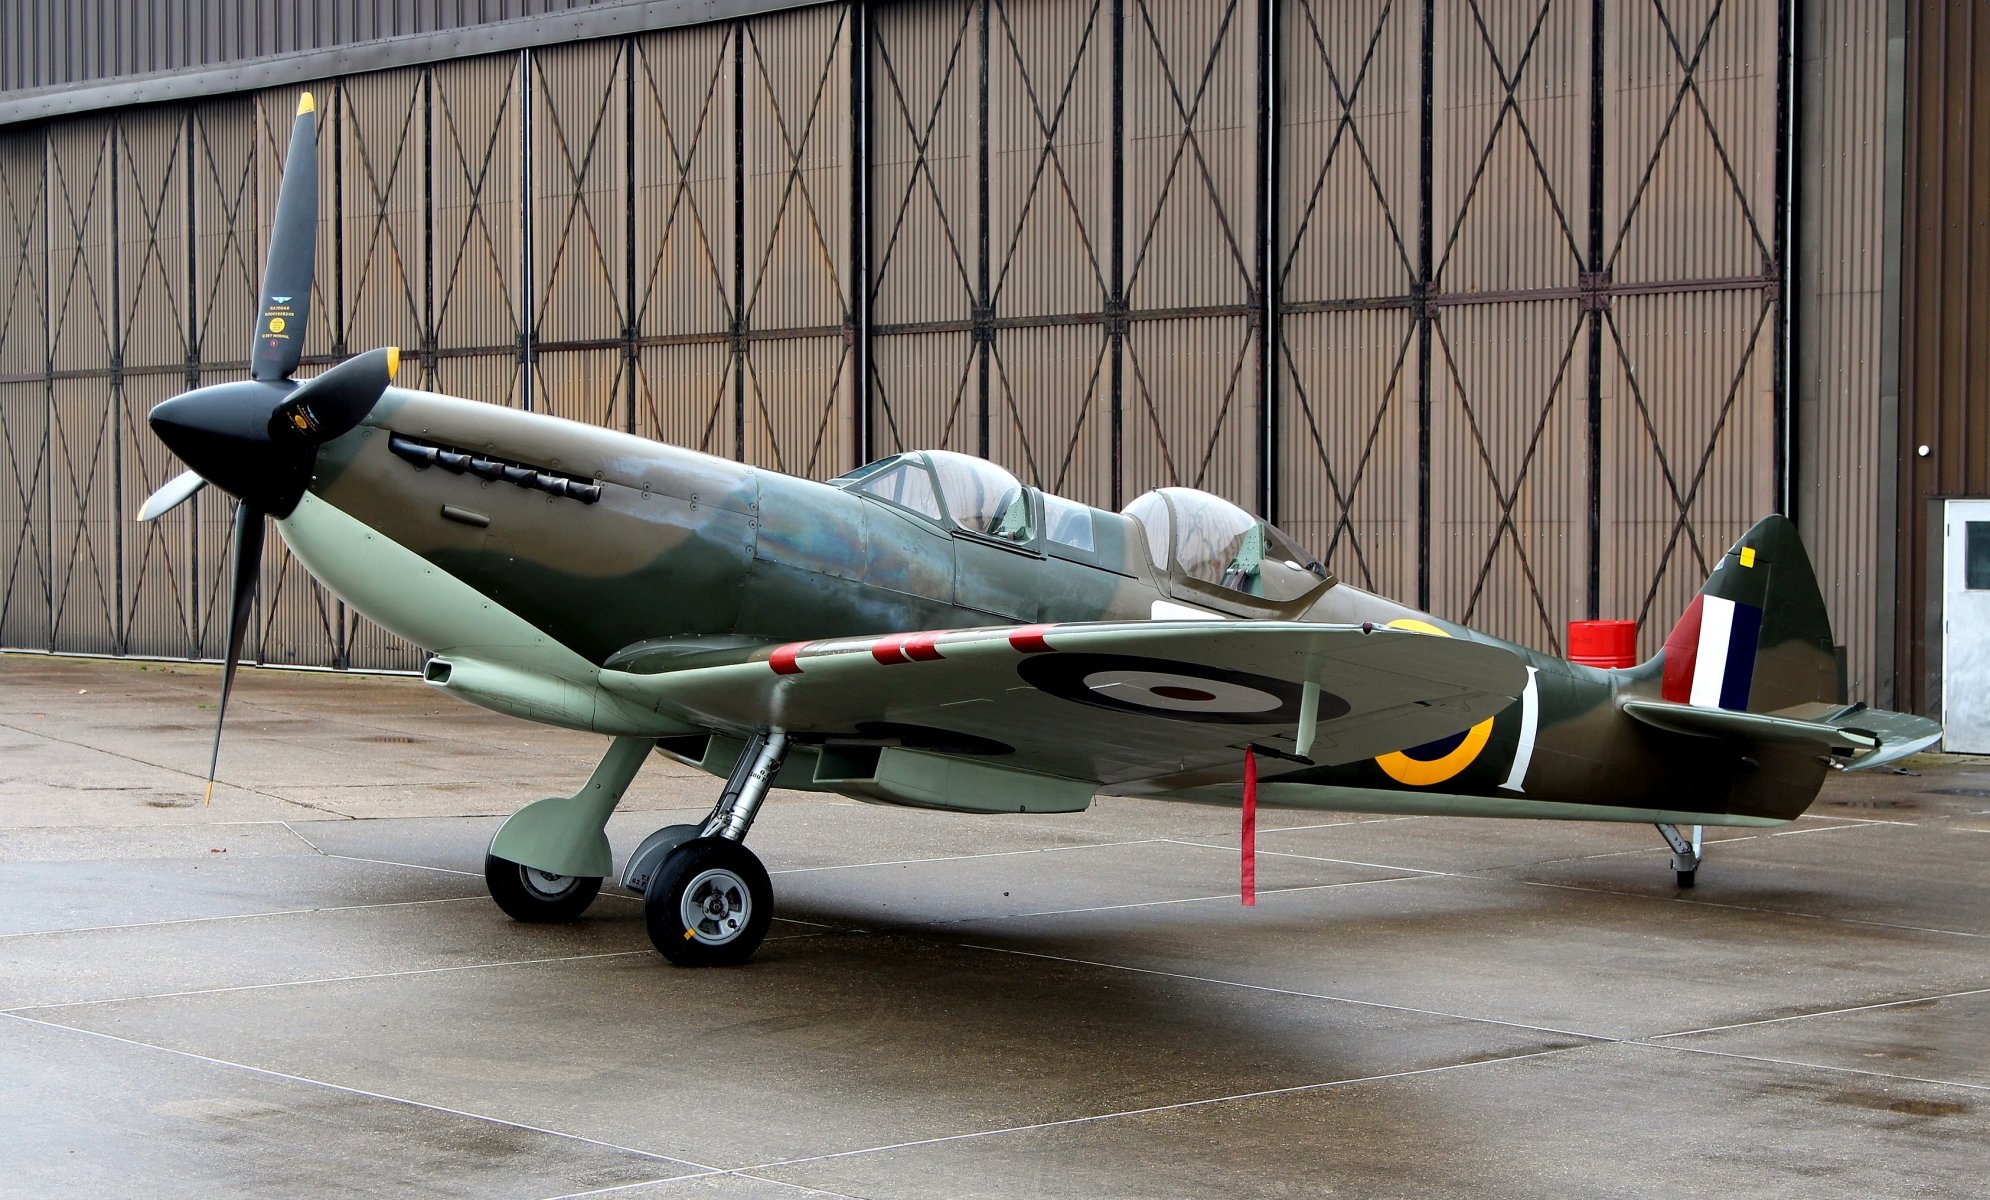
[536,896]
[1686,877]
[708,904]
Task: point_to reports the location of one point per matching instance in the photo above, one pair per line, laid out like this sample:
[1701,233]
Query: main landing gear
[707,901]
[1686,856]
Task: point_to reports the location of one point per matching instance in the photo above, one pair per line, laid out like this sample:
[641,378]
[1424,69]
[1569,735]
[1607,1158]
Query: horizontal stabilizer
[1859,737]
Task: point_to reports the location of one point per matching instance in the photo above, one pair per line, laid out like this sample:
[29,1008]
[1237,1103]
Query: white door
[1966,627]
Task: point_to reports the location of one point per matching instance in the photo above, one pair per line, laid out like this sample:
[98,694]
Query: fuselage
[624,553]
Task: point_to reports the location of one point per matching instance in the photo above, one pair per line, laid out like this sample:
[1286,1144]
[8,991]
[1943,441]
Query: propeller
[258,439]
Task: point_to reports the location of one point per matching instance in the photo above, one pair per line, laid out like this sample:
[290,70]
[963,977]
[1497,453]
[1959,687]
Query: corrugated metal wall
[45,43]
[1844,428]
[1522,270]
[1945,312]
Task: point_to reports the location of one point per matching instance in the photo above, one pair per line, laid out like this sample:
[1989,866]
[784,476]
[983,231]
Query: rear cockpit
[1203,546]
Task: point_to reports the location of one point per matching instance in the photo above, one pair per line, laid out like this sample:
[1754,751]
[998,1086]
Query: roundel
[1177,690]
[1434,762]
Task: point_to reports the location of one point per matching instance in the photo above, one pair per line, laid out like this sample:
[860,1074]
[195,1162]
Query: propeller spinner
[258,439]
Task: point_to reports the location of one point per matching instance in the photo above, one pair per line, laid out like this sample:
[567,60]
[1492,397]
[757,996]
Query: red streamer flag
[1249,838]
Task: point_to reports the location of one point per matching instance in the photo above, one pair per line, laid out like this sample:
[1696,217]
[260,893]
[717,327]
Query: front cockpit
[951,490]
[959,492]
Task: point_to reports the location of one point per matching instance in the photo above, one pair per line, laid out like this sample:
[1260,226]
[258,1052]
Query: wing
[1106,703]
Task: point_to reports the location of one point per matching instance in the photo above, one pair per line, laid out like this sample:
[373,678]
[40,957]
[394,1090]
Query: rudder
[1757,637]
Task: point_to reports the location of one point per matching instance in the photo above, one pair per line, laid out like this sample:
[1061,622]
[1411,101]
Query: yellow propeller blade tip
[209,801]
[306,104]
[393,361]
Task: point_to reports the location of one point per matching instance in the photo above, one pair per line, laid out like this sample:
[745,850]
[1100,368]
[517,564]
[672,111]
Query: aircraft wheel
[1686,877]
[526,894]
[708,904]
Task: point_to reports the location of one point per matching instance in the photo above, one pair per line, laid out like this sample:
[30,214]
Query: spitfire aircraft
[928,631]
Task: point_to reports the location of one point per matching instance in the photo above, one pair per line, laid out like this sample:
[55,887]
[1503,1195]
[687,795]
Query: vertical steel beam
[341,319]
[429,335]
[1116,282]
[1786,198]
[1597,59]
[120,334]
[48,394]
[528,312]
[1892,597]
[984,304]
[1420,291]
[1267,240]
[190,258]
[860,221]
[739,240]
[629,295]
[341,615]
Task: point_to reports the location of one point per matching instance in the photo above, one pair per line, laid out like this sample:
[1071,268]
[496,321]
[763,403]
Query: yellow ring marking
[1417,772]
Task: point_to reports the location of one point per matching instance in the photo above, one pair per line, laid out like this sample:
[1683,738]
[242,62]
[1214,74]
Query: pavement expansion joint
[371,1095]
[276,984]
[1175,900]
[281,912]
[1200,1102]
[1346,862]
[1294,992]
[1827,1012]
[1753,908]
[940,858]
[1801,1064]
[741,1173]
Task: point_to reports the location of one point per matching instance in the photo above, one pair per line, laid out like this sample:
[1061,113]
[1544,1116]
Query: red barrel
[1603,643]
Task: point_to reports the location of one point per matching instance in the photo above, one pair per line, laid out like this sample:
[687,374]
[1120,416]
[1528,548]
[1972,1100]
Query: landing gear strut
[1686,856]
[707,901]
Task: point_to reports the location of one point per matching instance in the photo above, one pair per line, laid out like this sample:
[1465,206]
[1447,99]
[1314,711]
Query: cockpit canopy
[950,489]
[1205,541]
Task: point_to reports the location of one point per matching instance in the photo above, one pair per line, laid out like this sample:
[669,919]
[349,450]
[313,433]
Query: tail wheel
[708,904]
[529,894]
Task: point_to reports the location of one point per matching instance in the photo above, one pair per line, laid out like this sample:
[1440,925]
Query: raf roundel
[1175,690]
[1422,766]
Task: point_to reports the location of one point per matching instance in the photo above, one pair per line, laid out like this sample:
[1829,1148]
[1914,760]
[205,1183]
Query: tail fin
[1756,638]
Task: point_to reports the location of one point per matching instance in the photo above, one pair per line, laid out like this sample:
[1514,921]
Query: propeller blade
[293,248]
[330,405]
[247,566]
[177,491]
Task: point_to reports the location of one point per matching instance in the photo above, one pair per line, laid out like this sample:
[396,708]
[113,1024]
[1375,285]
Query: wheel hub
[716,906]
[547,884]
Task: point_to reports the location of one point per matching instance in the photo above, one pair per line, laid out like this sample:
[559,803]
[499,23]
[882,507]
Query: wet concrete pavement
[304,990]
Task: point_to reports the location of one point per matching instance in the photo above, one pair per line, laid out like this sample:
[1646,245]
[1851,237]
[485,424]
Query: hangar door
[1482,300]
